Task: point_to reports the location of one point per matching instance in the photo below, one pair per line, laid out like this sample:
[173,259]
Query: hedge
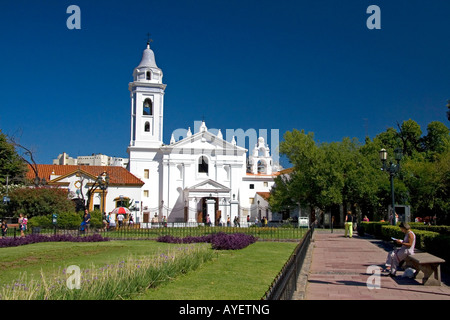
[373,228]
[424,239]
[66,220]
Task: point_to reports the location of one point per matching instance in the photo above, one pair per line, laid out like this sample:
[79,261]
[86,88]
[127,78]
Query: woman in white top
[407,248]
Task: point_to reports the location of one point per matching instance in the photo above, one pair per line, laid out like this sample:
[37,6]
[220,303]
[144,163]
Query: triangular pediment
[78,173]
[209,185]
[205,141]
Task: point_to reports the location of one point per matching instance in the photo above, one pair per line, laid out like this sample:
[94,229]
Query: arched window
[149,75]
[262,166]
[203,164]
[147,127]
[148,107]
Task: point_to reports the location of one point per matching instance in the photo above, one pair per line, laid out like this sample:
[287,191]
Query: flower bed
[219,241]
[36,238]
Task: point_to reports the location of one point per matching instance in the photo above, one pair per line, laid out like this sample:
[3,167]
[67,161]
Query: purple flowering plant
[36,238]
[219,241]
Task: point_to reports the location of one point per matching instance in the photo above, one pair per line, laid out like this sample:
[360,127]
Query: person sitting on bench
[396,256]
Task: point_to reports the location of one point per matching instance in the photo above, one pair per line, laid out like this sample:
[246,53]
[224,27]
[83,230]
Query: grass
[240,274]
[233,275]
[51,256]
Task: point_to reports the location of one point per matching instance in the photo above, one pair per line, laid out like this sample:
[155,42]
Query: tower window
[203,164]
[148,107]
[148,75]
[262,167]
[147,127]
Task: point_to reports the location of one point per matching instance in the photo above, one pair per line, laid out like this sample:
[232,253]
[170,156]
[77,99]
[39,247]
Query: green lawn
[52,256]
[234,275]
[241,274]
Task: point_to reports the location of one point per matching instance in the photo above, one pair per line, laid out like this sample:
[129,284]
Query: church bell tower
[147,103]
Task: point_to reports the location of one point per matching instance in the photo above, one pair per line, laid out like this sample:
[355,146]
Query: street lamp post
[103,185]
[392,169]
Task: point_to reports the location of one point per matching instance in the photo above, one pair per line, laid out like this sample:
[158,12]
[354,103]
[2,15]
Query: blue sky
[274,65]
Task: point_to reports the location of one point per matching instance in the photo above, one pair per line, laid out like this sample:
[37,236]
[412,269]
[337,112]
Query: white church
[201,176]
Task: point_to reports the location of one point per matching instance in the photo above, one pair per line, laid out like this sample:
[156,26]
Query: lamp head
[383,155]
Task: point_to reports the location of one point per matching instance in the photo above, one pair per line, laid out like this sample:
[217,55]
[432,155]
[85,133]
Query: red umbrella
[121,210]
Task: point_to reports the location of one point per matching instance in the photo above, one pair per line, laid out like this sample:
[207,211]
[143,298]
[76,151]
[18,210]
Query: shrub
[36,238]
[236,241]
[372,227]
[40,201]
[219,241]
[66,220]
[424,239]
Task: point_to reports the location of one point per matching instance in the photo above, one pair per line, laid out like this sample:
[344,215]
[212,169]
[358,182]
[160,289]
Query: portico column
[210,209]
[234,210]
[192,211]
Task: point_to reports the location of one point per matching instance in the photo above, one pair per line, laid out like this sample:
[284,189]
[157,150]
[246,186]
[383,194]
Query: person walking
[87,220]
[22,224]
[349,224]
[120,219]
[4,228]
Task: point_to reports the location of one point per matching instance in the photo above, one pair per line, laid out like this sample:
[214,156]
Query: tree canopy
[349,172]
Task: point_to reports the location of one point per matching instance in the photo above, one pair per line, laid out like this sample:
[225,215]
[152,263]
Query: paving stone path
[339,268]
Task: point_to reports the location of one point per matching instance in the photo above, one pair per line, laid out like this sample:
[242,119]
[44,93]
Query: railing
[281,232]
[285,284]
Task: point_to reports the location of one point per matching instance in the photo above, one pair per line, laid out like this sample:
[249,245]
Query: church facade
[201,177]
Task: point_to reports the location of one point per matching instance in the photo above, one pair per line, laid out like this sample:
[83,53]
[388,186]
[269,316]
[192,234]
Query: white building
[198,175]
[92,160]
[123,187]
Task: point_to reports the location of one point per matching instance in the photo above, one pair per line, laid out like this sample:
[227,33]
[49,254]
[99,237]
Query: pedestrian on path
[349,224]
[407,248]
[4,228]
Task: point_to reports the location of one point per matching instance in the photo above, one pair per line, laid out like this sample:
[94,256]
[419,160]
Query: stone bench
[427,266]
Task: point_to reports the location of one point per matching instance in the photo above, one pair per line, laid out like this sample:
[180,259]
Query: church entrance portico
[208,197]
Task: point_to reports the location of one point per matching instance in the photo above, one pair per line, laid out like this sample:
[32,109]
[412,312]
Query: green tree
[11,164]
[40,201]
[410,136]
[437,139]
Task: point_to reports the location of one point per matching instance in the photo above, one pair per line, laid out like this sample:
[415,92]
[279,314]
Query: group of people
[109,222]
[23,226]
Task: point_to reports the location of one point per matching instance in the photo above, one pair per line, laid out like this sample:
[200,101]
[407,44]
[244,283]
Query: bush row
[36,238]
[219,241]
[66,220]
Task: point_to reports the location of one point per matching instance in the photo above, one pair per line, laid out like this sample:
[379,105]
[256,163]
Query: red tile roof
[264,195]
[117,175]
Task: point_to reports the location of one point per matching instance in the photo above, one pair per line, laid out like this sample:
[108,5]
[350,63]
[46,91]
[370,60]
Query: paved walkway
[336,268]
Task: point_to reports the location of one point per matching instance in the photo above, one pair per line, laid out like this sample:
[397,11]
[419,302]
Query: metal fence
[285,284]
[281,232]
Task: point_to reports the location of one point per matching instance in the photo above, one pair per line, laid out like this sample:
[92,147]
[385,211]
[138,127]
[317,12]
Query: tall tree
[11,164]
[437,139]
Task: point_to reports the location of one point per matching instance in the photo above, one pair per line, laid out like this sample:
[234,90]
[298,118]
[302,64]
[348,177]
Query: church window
[148,107]
[147,127]
[149,75]
[203,164]
[262,168]
[252,186]
[146,173]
